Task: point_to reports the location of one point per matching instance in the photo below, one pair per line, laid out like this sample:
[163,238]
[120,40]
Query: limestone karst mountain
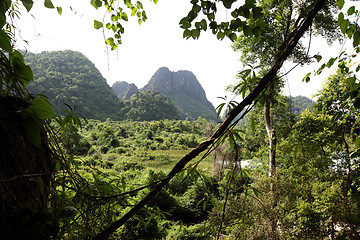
[182,87]
[69,78]
[124,90]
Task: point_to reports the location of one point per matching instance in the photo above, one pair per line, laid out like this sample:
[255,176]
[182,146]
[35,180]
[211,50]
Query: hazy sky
[156,43]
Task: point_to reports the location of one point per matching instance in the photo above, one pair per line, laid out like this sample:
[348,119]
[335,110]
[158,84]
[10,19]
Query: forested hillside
[300,103]
[69,78]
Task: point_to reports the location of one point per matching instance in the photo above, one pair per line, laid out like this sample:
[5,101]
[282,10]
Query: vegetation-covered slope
[68,77]
[300,103]
[149,105]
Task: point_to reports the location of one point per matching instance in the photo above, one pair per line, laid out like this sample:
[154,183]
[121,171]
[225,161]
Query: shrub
[143,225]
[104,149]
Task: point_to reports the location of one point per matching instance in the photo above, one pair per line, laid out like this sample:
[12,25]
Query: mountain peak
[183,88]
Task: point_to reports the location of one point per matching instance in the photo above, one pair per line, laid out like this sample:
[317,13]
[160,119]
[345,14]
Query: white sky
[157,42]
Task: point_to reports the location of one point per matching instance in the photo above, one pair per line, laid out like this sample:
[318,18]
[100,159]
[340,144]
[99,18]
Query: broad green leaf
[187,34]
[227,3]
[350,81]
[41,108]
[203,24]
[195,33]
[234,13]
[124,17]
[59,10]
[32,129]
[5,41]
[235,24]
[211,16]
[357,68]
[340,18]
[340,3]
[250,3]
[133,11]
[111,43]
[247,31]
[351,30]
[48,4]
[140,21]
[307,78]
[184,23]
[23,71]
[97,24]
[351,10]
[344,25]
[114,18]
[318,58]
[356,40]
[245,12]
[257,12]
[96,3]
[233,37]
[27,4]
[220,35]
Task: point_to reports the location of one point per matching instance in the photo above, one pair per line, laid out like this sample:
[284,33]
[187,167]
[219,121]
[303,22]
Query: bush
[143,225]
[104,149]
[129,165]
[192,232]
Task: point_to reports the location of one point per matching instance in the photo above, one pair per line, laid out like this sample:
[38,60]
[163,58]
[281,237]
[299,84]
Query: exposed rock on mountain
[69,78]
[184,90]
[124,90]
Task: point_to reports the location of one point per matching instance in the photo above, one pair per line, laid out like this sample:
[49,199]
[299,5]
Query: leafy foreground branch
[284,51]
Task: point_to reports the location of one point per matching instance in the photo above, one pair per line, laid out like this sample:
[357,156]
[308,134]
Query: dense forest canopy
[302,178]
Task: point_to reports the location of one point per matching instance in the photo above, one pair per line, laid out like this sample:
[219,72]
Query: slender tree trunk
[270,131]
[272,154]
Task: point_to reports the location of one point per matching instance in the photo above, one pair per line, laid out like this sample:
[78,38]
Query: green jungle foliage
[118,157]
[100,170]
[68,78]
[149,105]
[315,193]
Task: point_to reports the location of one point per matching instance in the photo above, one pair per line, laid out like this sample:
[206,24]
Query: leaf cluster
[246,18]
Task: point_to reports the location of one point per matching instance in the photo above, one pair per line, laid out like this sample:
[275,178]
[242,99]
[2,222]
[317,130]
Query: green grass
[166,159]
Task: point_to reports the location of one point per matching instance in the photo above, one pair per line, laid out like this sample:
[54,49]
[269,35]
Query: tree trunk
[270,130]
[25,174]
[269,124]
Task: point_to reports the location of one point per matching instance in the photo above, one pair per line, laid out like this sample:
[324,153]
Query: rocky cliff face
[184,90]
[124,90]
